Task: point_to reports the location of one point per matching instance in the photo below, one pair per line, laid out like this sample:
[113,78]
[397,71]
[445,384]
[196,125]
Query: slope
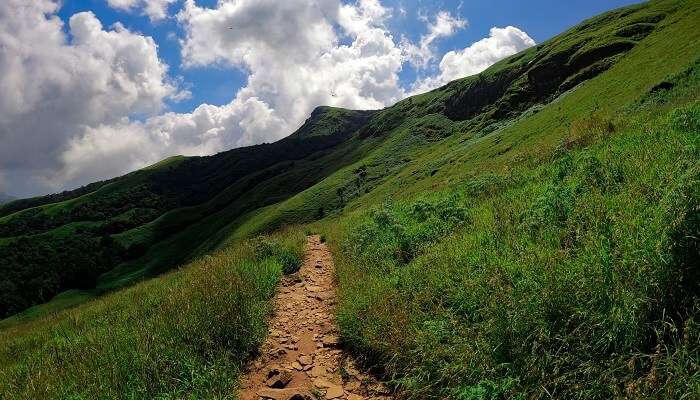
[5,198]
[156,218]
[529,232]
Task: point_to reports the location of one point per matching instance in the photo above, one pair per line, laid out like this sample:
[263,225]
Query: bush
[290,259]
[586,131]
[550,209]
[686,119]
[579,278]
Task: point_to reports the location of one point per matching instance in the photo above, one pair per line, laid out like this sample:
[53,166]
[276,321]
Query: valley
[528,232]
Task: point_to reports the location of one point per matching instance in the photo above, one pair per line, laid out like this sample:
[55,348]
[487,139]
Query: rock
[331,340]
[271,394]
[353,385]
[379,389]
[284,394]
[353,396]
[323,383]
[305,360]
[278,379]
[351,370]
[313,289]
[318,370]
[334,392]
[276,352]
[297,366]
[327,295]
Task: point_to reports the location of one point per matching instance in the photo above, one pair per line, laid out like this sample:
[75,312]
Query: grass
[342,159]
[576,279]
[62,301]
[540,242]
[183,335]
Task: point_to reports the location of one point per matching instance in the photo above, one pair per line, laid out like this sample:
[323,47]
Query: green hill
[527,232]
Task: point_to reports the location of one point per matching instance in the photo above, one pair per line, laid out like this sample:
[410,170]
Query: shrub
[550,209]
[686,119]
[264,247]
[586,131]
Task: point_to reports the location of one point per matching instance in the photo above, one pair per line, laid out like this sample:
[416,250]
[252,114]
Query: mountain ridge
[6,198]
[150,220]
[537,241]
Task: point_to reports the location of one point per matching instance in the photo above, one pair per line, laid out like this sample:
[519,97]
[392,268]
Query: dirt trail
[300,358]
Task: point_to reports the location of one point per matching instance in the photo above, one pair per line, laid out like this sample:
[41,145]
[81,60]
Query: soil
[301,357]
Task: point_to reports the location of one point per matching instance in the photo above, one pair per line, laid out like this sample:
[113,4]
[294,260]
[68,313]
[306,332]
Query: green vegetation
[578,277]
[183,335]
[149,221]
[529,232]
[331,121]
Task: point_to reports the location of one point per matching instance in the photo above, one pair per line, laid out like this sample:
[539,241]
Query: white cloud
[154,9]
[293,55]
[294,59]
[54,90]
[402,10]
[501,43]
[444,25]
[73,104]
[91,108]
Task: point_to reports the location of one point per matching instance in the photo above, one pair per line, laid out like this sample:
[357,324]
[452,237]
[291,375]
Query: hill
[151,220]
[5,198]
[529,230]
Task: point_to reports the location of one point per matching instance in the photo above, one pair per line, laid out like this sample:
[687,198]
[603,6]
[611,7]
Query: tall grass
[183,335]
[577,279]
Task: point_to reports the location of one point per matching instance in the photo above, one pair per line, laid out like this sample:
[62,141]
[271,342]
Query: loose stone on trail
[301,358]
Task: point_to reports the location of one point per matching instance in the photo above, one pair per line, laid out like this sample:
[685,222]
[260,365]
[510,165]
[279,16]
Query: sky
[93,89]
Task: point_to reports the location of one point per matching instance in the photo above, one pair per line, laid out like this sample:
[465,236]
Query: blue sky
[97,88]
[216,85]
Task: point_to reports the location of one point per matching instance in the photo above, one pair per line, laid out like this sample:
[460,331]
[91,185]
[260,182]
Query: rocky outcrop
[539,75]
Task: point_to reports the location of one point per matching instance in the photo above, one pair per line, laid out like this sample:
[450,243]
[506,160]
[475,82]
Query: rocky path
[300,358]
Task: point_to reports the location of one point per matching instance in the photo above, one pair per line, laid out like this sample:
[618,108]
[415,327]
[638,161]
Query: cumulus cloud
[292,52]
[54,90]
[91,107]
[154,9]
[444,25]
[501,43]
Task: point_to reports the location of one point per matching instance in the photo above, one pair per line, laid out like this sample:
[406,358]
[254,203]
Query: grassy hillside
[528,232]
[157,218]
[183,335]
[151,220]
[553,252]
[579,276]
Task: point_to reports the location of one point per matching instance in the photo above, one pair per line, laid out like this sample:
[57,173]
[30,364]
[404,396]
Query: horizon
[185,77]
